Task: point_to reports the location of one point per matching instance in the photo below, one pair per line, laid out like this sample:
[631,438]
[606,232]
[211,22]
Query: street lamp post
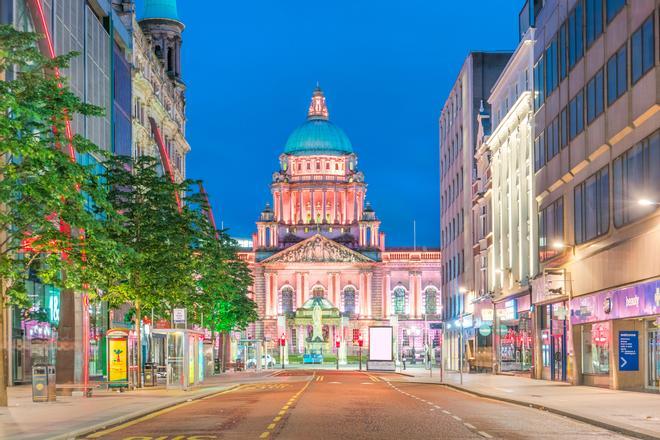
[337,344]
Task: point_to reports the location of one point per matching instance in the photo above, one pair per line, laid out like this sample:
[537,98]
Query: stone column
[324,218]
[337,278]
[305,277]
[420,299]
[313,208]
[299,290]
[274,298]
[301,213]
[280,212]
[331,289]
[363,289]
[268,298]
[344,215]
[387,299]
[412,286]
[334,206]
[368,293]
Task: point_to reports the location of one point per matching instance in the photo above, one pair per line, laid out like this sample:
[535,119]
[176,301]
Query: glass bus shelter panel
[175,357]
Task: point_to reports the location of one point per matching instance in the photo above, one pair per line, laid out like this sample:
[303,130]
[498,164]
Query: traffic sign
[628,350]
[179,316]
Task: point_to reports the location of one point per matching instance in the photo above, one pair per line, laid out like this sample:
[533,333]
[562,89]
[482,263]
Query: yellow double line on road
[285,408]
[374,378]
[150,416]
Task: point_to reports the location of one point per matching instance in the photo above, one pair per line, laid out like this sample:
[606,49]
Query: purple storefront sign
[627,302]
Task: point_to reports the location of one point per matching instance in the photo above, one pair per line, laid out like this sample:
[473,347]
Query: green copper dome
[318,135]
[160,9]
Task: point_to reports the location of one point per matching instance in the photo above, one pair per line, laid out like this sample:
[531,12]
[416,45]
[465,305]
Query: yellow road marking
[277,419]
[272,426]
[285,407]
[264,434]
[154,414]
[281,413]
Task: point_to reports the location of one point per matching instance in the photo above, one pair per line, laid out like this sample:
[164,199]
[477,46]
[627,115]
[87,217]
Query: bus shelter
[183,356]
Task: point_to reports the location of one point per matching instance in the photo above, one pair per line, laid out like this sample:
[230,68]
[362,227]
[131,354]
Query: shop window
[596,348]
[636,174]
[592,206]
[642,50]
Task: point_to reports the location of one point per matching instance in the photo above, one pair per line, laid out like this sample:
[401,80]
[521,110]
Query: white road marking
[469,426]
[484,434]
[446,412]
[457,418]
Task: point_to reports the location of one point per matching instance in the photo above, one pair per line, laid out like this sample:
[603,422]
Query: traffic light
[360,340]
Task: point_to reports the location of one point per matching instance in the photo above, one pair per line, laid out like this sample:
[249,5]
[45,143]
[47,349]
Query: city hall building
[321,268]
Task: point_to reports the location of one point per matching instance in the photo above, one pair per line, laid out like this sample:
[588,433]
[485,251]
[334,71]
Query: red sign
[337,342]
[283,340]
[360,341]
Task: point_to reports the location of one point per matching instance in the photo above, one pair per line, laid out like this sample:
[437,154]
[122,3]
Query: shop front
[514,336]
[553,331]
[617,335]
[34,331]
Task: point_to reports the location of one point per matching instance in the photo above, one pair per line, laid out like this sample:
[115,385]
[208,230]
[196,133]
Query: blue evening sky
[386,67]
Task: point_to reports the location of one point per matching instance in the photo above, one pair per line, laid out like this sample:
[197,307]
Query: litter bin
[43,383]
[149,374]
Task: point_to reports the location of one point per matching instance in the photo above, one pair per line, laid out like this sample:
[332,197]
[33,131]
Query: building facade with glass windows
[596,173]
[52,329]
[319,246]
[458,177]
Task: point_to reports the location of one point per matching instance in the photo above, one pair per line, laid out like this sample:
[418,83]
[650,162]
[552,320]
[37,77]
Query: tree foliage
[49,200]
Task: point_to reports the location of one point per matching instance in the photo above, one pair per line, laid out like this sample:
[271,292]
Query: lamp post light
[647,202]
[360,343]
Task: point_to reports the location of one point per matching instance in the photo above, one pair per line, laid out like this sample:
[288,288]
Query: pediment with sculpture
[318,249]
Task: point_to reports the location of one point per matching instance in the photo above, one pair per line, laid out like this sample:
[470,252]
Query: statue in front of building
[317,335]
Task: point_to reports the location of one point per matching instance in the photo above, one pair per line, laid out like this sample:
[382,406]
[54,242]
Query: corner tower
[161,24]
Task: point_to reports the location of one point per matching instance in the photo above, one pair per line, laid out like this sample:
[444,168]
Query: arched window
[287,300]
[431,300]
[318,292]
[367,239]
[349,300]
[399,300]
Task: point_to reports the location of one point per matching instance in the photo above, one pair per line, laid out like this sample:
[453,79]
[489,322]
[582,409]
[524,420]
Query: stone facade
[321,240]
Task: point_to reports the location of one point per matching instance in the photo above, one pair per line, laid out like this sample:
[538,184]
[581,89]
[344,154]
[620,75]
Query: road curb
[136,415]
[583,419]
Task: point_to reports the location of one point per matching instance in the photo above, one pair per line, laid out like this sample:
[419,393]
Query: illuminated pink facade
[318,238]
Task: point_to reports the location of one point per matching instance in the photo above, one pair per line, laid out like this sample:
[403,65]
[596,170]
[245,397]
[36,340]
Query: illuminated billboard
[380,344]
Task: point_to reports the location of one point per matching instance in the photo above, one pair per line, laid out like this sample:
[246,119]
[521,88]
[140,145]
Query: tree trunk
[223,361]
[4,401]
[138,318]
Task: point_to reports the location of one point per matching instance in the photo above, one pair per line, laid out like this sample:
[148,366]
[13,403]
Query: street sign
[628,350]
[179,316]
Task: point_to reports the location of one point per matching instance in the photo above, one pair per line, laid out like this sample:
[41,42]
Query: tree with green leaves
[48,221]
[220,300]
[157,234]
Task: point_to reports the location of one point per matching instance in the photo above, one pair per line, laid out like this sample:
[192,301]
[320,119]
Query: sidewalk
[63,419]
[632,413]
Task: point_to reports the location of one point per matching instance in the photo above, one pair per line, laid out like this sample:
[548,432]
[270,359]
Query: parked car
[267,361]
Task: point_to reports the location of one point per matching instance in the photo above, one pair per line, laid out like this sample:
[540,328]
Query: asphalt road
[348,405]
